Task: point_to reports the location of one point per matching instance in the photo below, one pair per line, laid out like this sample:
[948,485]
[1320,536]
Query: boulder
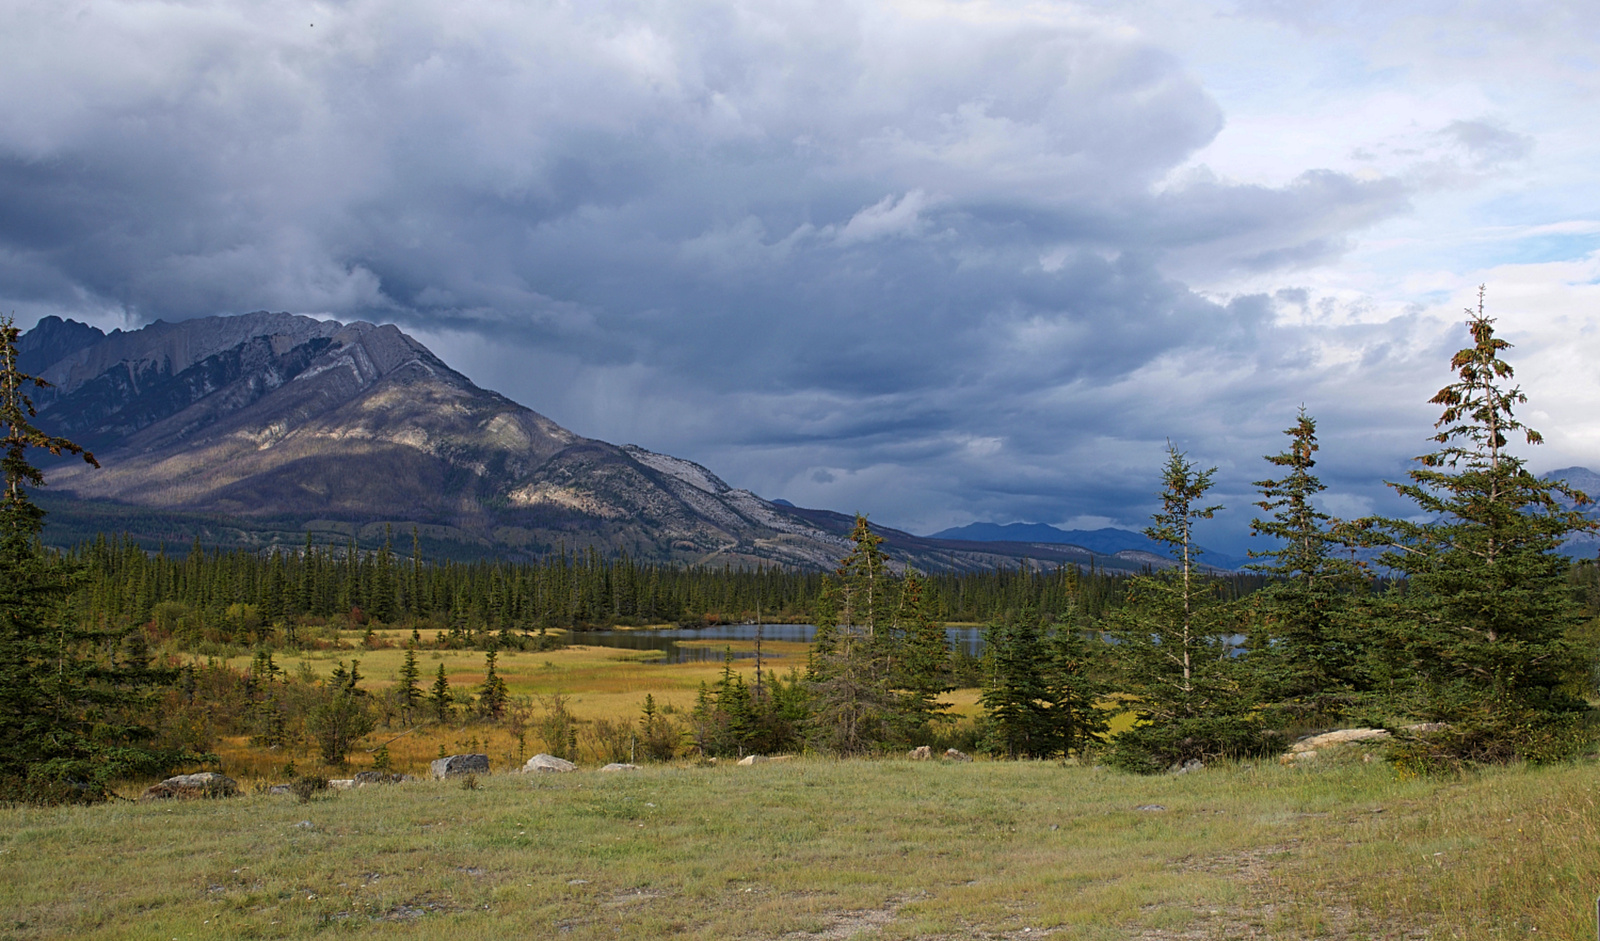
[1340,737]
[1422,728]
[457,765]
[542,762]
[280,789]
[188,786]
[922,753]
[1193,764]
[748,760]
[378,777]
[620,766]
[952,754]
[341,784]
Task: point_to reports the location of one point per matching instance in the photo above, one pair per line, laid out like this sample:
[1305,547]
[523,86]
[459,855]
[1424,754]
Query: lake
[668,640]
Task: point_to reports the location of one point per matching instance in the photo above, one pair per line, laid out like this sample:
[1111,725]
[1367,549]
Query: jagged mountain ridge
[262,427]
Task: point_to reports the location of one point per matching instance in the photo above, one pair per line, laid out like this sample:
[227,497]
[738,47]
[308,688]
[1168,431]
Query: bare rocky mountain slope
[260,428]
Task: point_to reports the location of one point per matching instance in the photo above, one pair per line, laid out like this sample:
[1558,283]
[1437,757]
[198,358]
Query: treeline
[206,598]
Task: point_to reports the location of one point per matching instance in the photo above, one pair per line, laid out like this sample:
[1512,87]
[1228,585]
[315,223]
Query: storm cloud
[930,260]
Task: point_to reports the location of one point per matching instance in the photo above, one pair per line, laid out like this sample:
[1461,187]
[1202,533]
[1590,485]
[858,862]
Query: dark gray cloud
[924,262]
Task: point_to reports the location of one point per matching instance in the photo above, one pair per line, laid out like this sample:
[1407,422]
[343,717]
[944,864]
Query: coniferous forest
[1467,634]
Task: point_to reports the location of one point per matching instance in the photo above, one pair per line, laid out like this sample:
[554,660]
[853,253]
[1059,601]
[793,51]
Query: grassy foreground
[818,849]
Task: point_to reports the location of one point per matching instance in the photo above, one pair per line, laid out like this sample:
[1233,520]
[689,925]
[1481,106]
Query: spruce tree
[1042,688]
[852,697]
[921,659]
[1189,702]
[1486,605]
[408,694]
[1305,654]
[492,695]
[440,696]
[67,701]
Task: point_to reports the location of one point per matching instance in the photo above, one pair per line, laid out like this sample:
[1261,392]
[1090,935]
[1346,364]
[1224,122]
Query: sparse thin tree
[1189,702]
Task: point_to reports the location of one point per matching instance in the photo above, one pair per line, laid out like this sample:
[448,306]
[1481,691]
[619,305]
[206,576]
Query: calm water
[969,639]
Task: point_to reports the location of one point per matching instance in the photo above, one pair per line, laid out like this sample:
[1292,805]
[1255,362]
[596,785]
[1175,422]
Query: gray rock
[542,762]
[749,760]
[1193,764]
[952,754]
[1149,807]
[189,786]
[378,777]
[922,753]
[280,789]
[457,765]
[620,766]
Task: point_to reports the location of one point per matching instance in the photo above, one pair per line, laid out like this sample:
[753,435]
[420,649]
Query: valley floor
[818,849]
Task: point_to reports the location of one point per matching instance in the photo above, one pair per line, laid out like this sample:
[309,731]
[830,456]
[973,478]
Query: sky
[937,262]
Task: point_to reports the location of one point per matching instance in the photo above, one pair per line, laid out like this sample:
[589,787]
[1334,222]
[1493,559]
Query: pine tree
[1306,655]
[492,695]
[408,694]
[1189,701]
[66,700]
[1042,688]
[441,697]
[1486,607]
[923,656]
[851,688]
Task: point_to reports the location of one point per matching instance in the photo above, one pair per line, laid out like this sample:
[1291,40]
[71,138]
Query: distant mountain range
[262,428]
[1110,542]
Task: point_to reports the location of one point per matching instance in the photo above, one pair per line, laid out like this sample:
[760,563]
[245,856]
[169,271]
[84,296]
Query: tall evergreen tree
[66,696]
[1189,701]
[1305,652]
[921,658]
[853,701]
[1486,607]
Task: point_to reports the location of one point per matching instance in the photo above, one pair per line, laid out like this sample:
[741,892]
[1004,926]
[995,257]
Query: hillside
[262,428]
[1123,544]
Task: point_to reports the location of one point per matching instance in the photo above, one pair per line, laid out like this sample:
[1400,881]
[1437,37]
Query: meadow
[825,849]
[808,848]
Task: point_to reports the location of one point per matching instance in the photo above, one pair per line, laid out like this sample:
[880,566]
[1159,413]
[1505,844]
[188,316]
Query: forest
[1469,636]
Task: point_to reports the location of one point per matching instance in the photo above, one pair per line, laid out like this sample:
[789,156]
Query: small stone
[341,784]
[457,765]
[749,760]
[1149,807]
[952,754]
[542,763]
[922,753]
[1193,764]
[620,766]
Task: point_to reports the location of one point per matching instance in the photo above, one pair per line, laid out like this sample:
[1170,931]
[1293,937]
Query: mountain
[1120,543]
[262,428]
[1583,545]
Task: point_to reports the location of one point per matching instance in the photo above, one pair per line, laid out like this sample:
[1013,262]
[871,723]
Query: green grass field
[819,849]
[805,850]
